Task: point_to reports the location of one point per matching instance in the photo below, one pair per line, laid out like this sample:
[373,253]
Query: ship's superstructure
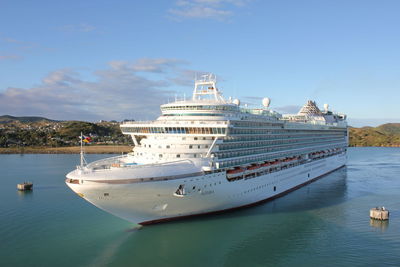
[209,154]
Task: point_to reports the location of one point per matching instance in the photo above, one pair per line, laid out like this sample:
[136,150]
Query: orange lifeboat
[266,164]
[236,172]
[253,167]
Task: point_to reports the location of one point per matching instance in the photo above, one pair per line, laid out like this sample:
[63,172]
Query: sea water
[325,223]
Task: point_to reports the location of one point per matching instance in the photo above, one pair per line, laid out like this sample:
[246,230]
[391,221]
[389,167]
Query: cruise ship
[209,154]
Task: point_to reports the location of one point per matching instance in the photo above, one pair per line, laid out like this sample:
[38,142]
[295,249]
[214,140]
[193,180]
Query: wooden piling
[25,186]
[379,213]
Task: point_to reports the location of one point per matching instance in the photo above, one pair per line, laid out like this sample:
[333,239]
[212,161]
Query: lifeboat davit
[253,167]
[236,172]
[266,164]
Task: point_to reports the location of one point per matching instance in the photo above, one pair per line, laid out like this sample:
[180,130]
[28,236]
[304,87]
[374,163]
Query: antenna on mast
[83,160]
[206,88]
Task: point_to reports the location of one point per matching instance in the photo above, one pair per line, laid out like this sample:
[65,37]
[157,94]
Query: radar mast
[206,88]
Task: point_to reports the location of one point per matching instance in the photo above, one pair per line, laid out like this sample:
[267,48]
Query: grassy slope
[8,118]
[383,135]
[67,150]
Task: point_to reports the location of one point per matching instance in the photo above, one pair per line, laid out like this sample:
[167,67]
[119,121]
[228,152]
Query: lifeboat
[266,164]
[236,172]
[253,167]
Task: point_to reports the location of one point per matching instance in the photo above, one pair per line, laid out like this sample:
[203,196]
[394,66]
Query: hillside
[8,119]
[42,132]
[24,132]
[384,135]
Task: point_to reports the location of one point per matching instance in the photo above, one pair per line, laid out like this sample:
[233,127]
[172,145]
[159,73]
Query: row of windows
[276,135]
[169,146]
[232,141]
[195,114]
[272,131]
[202,107]
[274,142]
[259,158]
[254,124]
[232,154]
[174,130]
[169,155]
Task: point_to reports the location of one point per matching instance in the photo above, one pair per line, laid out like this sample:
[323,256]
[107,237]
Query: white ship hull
[207,154]
[155,201]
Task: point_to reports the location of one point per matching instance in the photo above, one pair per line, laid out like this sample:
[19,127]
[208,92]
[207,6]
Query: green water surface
[325,223]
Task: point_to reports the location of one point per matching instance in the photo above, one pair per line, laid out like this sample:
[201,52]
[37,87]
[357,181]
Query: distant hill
[43,132]
[389,128]
[384,135]
[8,119]
[40,131]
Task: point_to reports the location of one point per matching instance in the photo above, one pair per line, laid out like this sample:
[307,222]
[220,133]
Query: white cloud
[120,91]
[207,9]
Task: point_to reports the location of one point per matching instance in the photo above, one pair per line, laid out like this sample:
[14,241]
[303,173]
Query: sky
[114,60]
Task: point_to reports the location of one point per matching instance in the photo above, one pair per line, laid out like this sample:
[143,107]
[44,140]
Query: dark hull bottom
[239,207]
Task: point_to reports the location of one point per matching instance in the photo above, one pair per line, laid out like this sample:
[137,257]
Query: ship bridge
[207,100]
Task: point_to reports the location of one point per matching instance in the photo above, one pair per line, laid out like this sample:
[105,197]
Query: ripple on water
[324,223]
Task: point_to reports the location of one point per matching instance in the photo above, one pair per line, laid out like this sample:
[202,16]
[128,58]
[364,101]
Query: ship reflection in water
[244,235]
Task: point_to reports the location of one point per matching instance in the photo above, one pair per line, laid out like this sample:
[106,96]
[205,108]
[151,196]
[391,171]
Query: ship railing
[119,162]
[174,122]
[247,159]
[106,163]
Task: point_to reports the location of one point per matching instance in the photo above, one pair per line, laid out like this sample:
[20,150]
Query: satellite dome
[266,101]
[236,102]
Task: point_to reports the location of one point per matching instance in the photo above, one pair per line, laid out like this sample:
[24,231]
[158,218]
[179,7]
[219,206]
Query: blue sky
[91,60]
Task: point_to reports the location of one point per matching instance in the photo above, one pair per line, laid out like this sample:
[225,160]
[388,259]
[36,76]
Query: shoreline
[101,149]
